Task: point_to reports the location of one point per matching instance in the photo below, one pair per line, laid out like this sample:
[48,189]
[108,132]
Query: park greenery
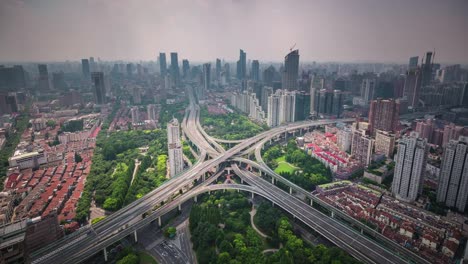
[110,180]
[72,126]
[12,140]
[169,111]
[296,165]
[222,233]
[231,126]
[187,152]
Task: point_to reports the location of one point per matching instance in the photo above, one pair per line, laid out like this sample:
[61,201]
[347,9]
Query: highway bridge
[213,161]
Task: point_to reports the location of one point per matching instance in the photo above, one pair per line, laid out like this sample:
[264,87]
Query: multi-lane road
[92,239]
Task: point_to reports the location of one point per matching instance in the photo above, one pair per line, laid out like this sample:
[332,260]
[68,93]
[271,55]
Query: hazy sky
[201,30]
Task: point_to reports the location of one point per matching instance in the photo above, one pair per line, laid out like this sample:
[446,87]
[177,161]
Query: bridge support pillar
[195,199]
[242,181]
[286,135]
[333,214]
[253,195]
[311,202]
[159,221]
[136,237]
[362,231]
[270,141]
[179,207]
[105,254]
[290,190]
[272,180]
[204,177]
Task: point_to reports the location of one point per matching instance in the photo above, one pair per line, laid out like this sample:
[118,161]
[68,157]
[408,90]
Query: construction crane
[292,47]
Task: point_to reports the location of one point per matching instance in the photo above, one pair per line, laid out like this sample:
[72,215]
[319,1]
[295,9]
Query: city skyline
[368,31]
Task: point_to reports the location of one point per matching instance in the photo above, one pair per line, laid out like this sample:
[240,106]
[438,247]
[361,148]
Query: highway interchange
[213,159]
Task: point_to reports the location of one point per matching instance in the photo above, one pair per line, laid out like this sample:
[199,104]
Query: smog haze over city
[337,30]
[159,131]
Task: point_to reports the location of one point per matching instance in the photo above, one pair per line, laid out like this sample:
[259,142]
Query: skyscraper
[162,64]
[383,115]
[185,69]
[302,106]
[453,179]
[242,65]
[85,68]
[413,63]
[227,72]
[255,70]
[266,92]
[206,79]
[412,87]
[313,98]
[269,75]
[451,131]
[43,77]
[176,162]
[409,168]
[129,69]
[175,69]
[367,89]
[337,104]
[427,70]
[218,69]
[99,88]
[291,69]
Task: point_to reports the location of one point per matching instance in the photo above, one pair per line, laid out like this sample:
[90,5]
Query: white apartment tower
[453,179]
[176,161]
[409,168]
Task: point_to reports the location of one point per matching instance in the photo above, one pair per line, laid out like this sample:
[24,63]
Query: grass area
[146,258]
[231,126]
[284,166]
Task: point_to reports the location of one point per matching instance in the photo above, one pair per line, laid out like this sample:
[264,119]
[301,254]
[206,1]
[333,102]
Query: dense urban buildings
[94,148]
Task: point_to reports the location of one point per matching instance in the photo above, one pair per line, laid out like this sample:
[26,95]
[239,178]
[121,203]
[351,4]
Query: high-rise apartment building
[162,64]
[135,115]
[129,69]
[451,131]
[273,113]
[409,168]
[185,69]
[384,143]
[362,146]
[99,87]
[291,70]
[287,107]
[453,178]
[266,91]
[425,129]
[383,115]
[152,113]
[176,161]
[344,139]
